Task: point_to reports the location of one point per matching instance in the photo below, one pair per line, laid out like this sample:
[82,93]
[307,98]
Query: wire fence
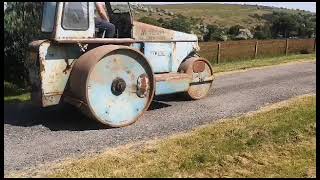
[221,52]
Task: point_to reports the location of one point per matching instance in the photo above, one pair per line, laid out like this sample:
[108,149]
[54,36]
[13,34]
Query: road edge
[262,67]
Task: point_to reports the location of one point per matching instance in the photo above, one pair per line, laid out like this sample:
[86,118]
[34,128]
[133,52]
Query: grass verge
[241,65]
[14,94]
[276,142]
[22,98]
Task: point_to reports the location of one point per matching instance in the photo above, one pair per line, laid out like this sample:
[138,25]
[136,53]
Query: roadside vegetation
[278,141]
[221,22]
[260,62]
[14,94]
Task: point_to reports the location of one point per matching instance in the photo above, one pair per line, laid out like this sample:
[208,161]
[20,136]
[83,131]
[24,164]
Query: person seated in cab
[102,22]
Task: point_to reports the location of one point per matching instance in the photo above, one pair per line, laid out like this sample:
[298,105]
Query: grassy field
[220,14]
[13,94]
[277,141]
[224,15]
[242,65]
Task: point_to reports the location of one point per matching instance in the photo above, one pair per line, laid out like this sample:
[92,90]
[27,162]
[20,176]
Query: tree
[22,21]
[262,32]
[307,25]
[293,24]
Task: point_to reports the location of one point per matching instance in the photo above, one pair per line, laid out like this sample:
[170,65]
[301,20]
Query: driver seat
[98,33]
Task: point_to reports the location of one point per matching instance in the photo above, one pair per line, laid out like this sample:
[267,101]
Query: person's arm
[102,11]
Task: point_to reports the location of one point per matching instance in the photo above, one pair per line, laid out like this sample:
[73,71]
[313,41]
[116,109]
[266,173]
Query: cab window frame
[72,28]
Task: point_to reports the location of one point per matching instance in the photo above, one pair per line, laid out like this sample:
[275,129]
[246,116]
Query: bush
[234,30]
[11,89]
[179,23]
[215,33]
[262,32]
[305,51]
[22,21]
[149,20]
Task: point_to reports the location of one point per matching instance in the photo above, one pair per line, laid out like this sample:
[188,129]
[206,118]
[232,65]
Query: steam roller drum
[116,84]
[202,77]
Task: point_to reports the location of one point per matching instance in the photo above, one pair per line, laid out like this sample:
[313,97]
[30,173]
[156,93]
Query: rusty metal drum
[115,84]
[201,72]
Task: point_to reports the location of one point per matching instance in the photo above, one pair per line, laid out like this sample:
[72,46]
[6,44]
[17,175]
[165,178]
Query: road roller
[111,80]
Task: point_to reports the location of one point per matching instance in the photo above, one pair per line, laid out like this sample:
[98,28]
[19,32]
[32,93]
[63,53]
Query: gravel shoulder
[34,136]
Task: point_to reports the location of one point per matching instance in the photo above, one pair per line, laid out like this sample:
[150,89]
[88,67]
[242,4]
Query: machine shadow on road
[177,97]
[157,105]
[61,117]
[56,118]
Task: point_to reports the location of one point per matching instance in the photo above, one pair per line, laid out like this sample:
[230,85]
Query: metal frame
[62,17]
[58,55]
[60,33]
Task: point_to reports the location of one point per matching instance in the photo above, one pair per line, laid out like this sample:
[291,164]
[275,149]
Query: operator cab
[120,15]
[75,20]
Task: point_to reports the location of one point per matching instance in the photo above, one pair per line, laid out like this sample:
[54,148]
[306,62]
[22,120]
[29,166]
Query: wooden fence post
[287,46]
[256,50]
[218,53]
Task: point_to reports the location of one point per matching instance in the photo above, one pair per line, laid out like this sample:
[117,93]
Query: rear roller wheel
[118,87]
[202,77]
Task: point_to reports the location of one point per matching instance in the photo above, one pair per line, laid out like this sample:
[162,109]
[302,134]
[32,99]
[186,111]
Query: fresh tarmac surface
[34,136]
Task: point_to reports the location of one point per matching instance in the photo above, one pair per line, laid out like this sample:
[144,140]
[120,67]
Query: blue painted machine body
[112,80]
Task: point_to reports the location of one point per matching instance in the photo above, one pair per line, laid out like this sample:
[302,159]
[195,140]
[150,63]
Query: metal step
[171,76]
[169,83]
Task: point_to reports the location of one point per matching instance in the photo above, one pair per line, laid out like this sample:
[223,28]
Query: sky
[308,6]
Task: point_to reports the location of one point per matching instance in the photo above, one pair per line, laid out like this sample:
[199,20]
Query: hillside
[223,15]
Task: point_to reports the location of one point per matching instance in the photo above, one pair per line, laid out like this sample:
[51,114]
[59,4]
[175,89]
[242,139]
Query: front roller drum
[202,77]
[115,82]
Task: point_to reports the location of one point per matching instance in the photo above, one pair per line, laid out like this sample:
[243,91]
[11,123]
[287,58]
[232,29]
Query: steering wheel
[116,9]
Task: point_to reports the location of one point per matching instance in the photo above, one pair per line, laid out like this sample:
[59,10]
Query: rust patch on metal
[122,41]
[51,99]
[96,40]
[198,87]
[142,31]
[53,94]
[143,85]
[171,76]
[68,66]
[188,65]
[118,66]
[41,62]
[34,45]
[198,66]
[33,56]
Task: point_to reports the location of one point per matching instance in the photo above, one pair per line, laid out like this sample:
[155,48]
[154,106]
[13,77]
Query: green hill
[223,15]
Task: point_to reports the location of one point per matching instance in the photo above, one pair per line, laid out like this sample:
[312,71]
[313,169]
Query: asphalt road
[34,136]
